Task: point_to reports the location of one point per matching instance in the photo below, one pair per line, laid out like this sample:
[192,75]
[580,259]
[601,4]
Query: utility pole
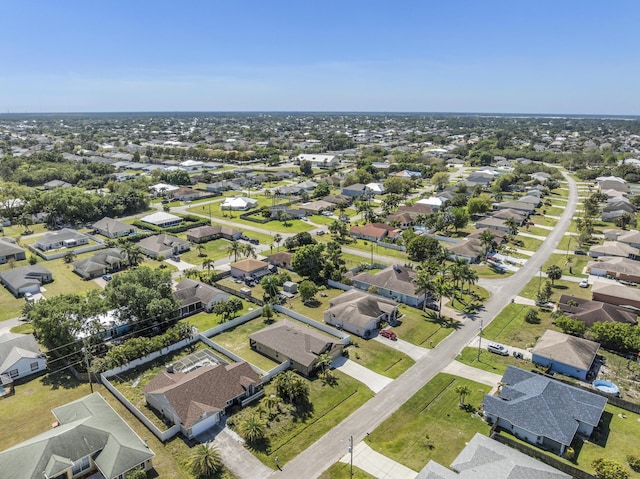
[351,451]
[209,213]
[372,254]
[86,360]
[480,341]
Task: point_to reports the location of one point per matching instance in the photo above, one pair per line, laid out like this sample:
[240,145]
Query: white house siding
[24,367]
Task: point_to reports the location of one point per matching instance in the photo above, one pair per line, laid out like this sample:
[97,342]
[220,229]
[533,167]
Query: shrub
[634,462]
[532,317]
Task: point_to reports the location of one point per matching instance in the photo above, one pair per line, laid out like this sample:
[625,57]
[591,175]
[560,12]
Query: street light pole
[480,341]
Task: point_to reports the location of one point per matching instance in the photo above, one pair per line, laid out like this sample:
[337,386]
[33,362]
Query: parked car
[497,349]
[254,241]
[28,296]
[244,237]
[580,252]
[431,305]
[107,277]
[388,334]
[165,201]
[584,283]
[320,232]
[327,213]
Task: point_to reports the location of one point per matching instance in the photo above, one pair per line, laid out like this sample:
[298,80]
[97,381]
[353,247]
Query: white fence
[337,285]
[275,371]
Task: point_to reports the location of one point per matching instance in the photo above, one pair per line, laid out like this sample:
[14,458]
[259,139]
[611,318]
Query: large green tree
[308,261]
[421,248]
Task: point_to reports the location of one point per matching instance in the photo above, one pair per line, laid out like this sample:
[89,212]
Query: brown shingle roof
[249,264]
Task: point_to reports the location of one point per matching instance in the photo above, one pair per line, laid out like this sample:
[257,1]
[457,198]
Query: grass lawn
[236,340]
[342,470]
[430,425]
[484,271]
[215,249]
[543,220]
[493,363]
[536,231]
[530,244]
[28,413]
[204,320]
[552,210]
[561,287]
[11,306]
[319,306]
[352,260]
[294,429]
[577,263]
[510,328]
[365,246]
[478,293]
[378,357]
[422,327]
[321,219]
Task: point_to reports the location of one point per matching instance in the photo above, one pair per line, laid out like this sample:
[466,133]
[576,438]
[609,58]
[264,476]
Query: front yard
[378,357]
[294,429]
[423,327]
[510,328]
[431,425]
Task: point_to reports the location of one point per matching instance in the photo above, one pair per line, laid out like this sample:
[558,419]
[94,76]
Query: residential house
[355,190]
[338,199]
[631,238]
[376,188]
[27,279]
[280,259]
[494,224]
[434,202]
[615,293]
[624,269]
[498,236]
[195,296]
[565,354]
[395,282]
[469,250]
[360,313]
[103,262]
[66,238]
[218,187]
[540,176]
[164,245]
[616,208]
[112,228]
[202,234]
[479,178]
[415,209]
[20,356]
[199,399]
[614,249]
[87,437]
[162,219]
[53,184]
[239,203]
[249,268]
[518,216]
[561,411]
[318,160]
[374,232]
[408,174]
[185,194]
[485,458]
[301,345]
[525,208]
[307,186]
[591,312]
[401,220]
[612,183]
[9,250]
[317,207]
[532,199]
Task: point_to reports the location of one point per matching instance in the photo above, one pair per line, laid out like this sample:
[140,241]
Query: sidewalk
[376,464]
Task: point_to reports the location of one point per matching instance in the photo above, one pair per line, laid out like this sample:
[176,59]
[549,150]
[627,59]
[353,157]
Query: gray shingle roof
[14,346]
[543,406]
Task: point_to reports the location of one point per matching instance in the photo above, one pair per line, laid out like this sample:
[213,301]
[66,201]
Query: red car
[388,334]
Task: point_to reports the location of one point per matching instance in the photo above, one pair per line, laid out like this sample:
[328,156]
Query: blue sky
[560,56]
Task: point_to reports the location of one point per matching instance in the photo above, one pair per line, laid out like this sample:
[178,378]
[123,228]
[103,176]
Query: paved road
[331,447]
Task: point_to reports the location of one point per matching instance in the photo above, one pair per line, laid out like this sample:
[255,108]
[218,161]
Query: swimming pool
[606,387]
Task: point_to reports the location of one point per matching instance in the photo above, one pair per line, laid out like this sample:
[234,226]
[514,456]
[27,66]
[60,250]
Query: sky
[516,56]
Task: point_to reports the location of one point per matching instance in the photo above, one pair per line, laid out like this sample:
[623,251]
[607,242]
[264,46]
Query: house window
[14,373]
[81,466]
[35,366]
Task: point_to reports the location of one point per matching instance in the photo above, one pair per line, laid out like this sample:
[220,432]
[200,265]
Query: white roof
[159,217]
[315,158]
[191,163]
[433,201]
[238,201]
[600,179]
[375,187]
[160,187]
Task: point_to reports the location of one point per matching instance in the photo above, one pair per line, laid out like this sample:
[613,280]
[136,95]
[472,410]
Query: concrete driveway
[411,350]
[376,382]
[474,374]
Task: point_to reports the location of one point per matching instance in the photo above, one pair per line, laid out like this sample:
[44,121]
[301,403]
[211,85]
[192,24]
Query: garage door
[203,425]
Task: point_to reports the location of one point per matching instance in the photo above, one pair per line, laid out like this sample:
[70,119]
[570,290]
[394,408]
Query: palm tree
[200,249]
[277,239]
[512,224]
[69,256]
[487,238]
[191,273]
[270,287]
[249,251]
[286,219]
[234,249]
[133,254]
[323,361]
[205,461]
[252,428]
[471,277]
[462,391]
[26,221]
[207,263]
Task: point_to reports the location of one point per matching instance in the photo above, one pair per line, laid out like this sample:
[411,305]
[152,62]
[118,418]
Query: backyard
[431,425]
[423,327]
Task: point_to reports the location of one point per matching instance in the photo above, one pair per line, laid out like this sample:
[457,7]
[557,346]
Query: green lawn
[530,244]
[293,430]
[510,328]
[319,306]
[321,219]
[552,210]
[11,306]
[484,271]
[478,293]
[204,320]
[342,470]
[493,363]
[28,413]
[543,220]
[577,263]
[236,340]
[352,260]
[430,425]
[378,357]
[365,246]
[423,327]
[214,250]
[64,279]
[561,287]
[536,231]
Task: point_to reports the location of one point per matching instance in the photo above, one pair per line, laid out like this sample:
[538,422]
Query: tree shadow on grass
[600,435]
[443,321]
[312,303]
[262,445]
[61,380]
[302,411]
[560,286]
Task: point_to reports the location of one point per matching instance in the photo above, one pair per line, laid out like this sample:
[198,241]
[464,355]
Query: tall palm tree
[512,224]
[487,238]
[133,254]
[249,251]
[200,249]
[471,277]
[207,263]
[234,249]
[323,361]
[205,461]
[277,239]
[462,391]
